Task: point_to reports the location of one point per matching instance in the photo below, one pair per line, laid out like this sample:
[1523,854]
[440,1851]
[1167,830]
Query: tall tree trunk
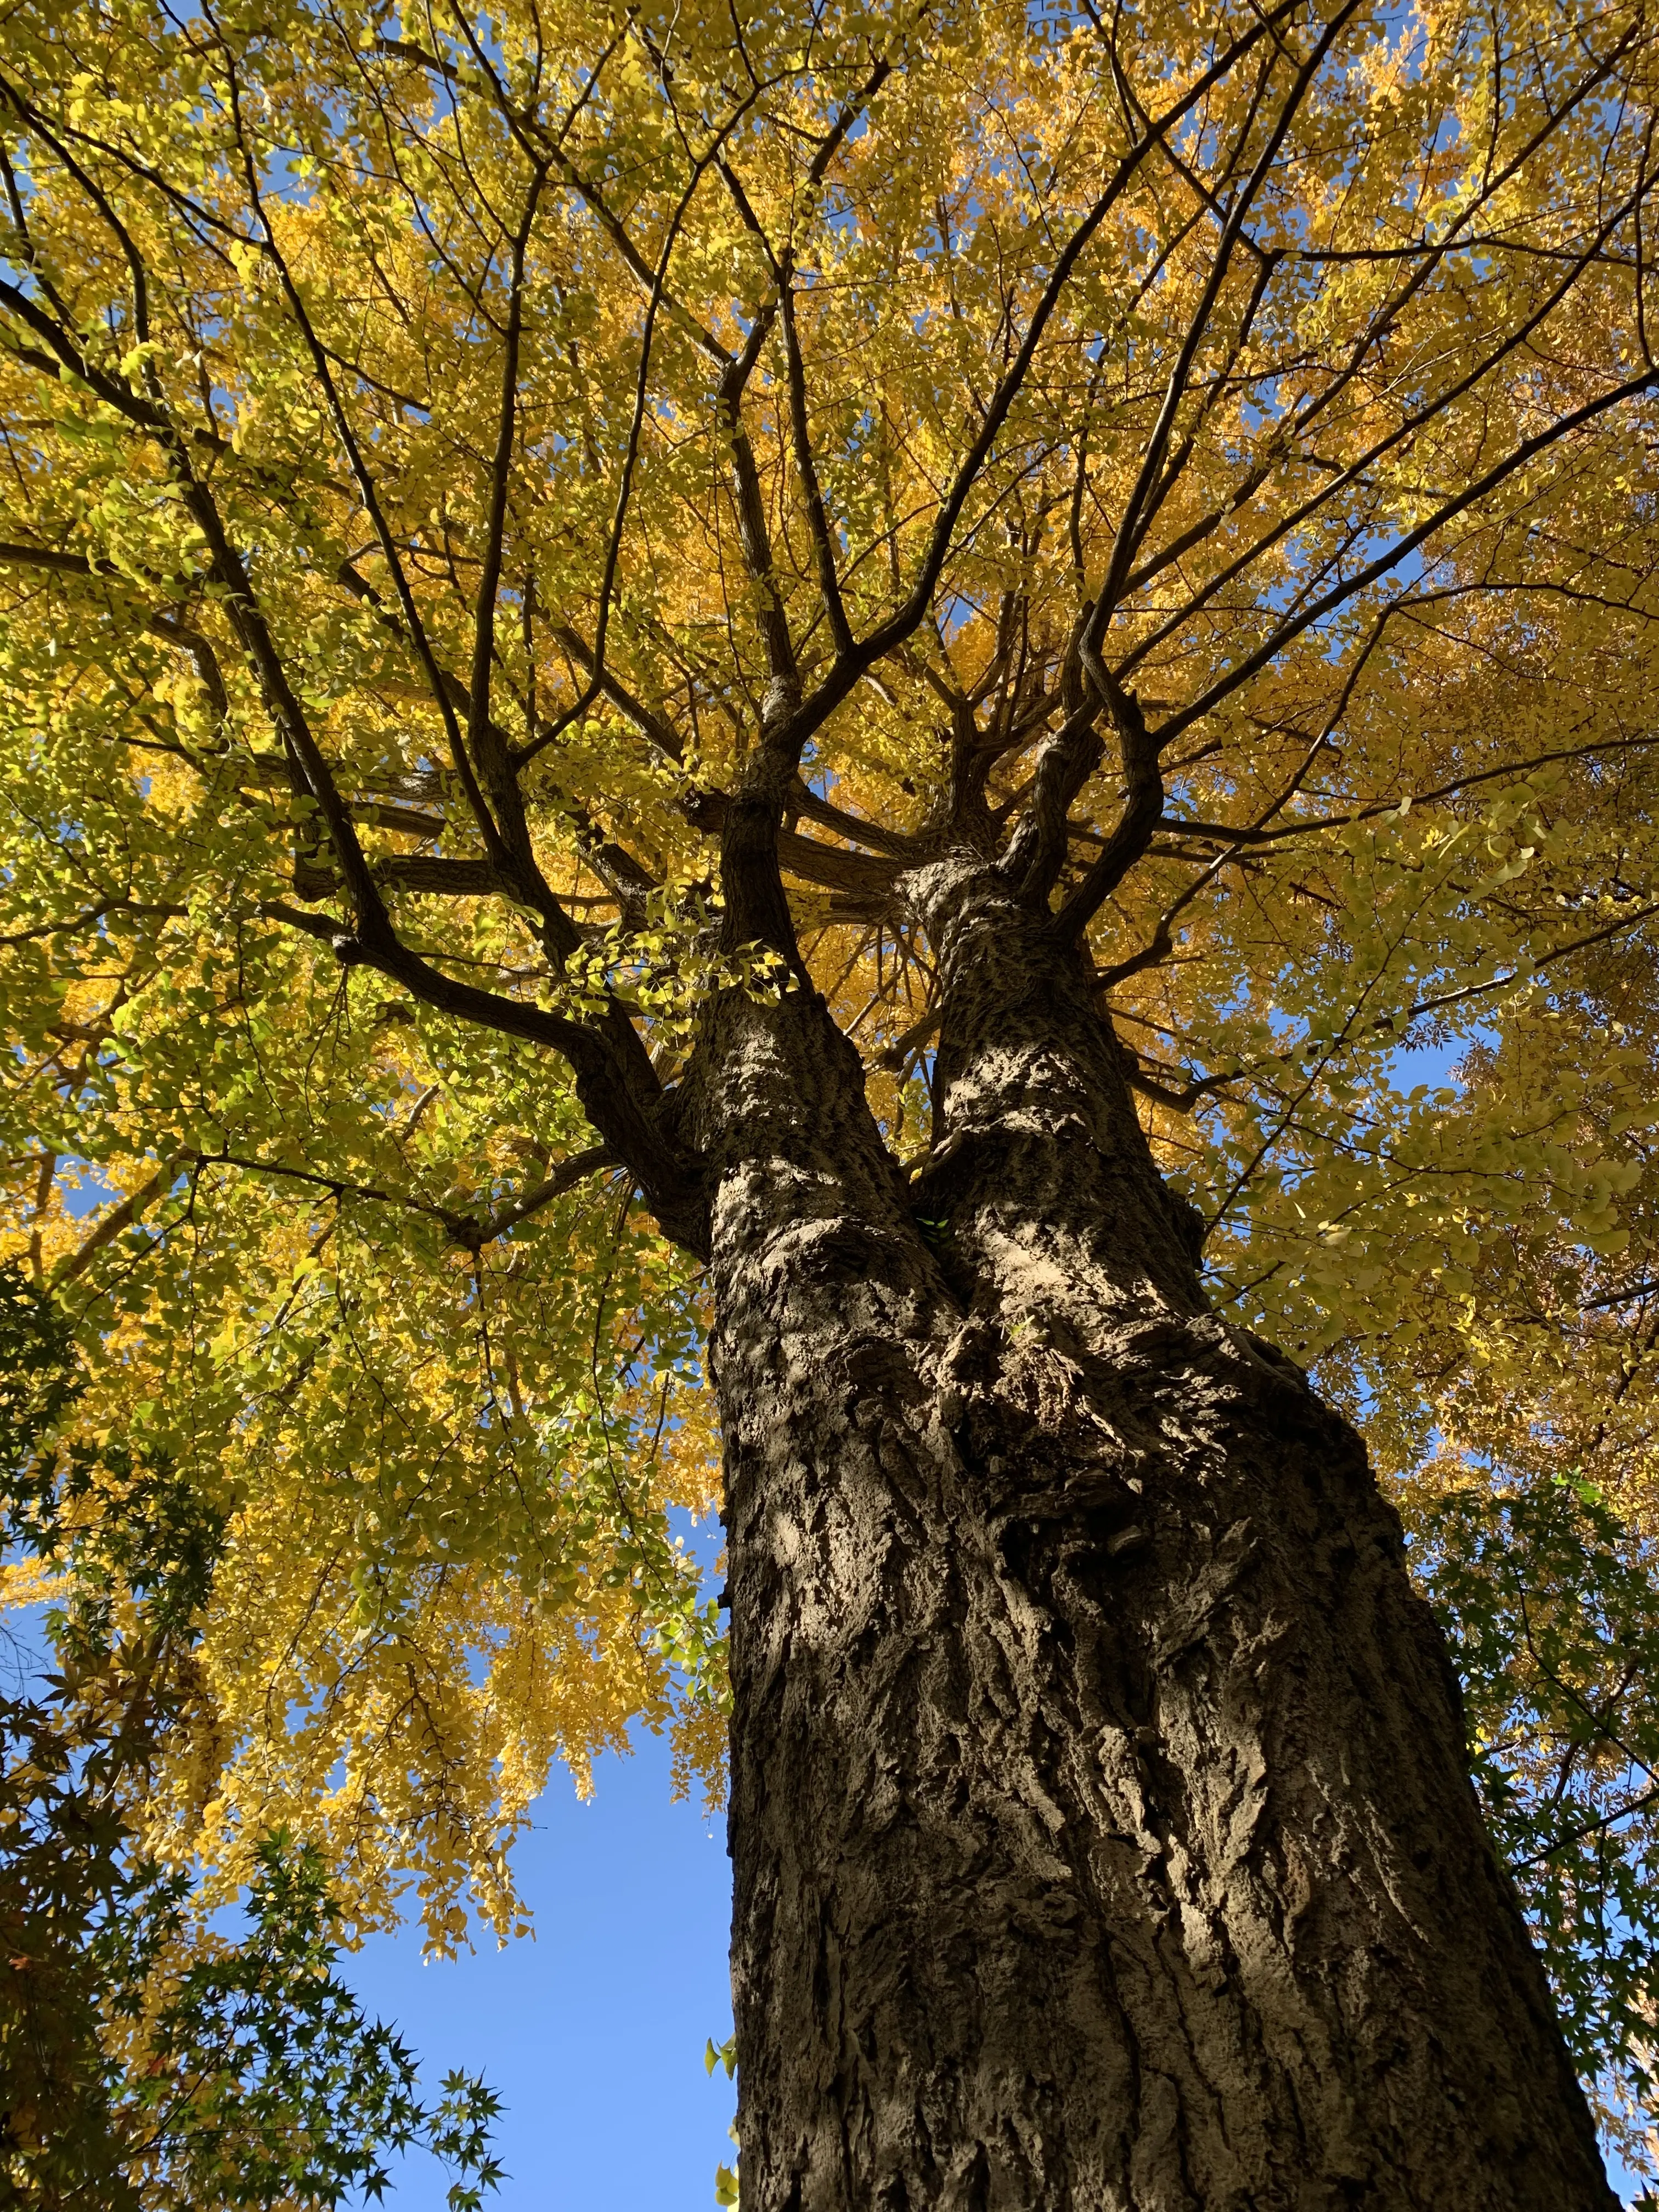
[1100,1828]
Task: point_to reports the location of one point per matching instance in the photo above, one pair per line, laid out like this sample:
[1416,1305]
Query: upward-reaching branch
[1147,492]
[485,744]
[901,625]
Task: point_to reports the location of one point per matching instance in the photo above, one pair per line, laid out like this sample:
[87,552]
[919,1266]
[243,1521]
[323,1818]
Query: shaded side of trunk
[1100,1827]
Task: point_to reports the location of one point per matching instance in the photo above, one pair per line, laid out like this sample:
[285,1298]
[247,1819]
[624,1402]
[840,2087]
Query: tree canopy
[1204,455]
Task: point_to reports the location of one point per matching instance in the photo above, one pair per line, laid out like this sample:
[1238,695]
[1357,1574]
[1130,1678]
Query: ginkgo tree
[771,733]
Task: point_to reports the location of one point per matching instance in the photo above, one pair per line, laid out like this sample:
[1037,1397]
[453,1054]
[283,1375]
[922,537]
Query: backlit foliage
[150,2056]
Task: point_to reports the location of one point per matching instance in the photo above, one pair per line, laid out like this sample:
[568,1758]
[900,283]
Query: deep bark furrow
[1100,1827]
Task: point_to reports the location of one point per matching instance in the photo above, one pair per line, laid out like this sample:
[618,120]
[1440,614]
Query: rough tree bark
[1101,1827]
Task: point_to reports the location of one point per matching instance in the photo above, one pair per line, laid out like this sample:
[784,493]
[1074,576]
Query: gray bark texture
[1101,1827]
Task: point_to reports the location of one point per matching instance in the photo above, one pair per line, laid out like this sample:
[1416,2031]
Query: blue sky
[592,2031]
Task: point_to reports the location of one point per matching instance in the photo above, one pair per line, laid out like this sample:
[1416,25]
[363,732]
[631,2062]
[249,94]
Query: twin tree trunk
[1100,1822]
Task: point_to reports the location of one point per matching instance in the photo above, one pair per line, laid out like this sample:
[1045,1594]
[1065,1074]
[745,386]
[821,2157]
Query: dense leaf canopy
[459,468]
